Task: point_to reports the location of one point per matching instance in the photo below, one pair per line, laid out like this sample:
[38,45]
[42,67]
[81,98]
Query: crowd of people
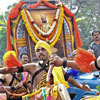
[35,74]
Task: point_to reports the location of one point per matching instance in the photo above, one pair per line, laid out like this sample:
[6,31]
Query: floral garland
[32,32]
[52,27]
[28,27]
[58,32]
[15,11]
[35,31]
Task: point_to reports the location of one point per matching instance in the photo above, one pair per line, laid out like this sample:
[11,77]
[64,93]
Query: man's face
[44,20]
[42,54]
[24,59]
[96,36]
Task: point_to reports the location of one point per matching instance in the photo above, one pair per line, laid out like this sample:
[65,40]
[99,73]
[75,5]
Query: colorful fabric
[44,93]
[24,77]
[74,73]
[44,45]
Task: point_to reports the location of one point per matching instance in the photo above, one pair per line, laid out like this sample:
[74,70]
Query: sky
[5,3]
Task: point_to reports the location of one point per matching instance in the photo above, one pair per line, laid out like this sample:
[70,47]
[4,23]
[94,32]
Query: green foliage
[90,11]
[2,42]
[98,87]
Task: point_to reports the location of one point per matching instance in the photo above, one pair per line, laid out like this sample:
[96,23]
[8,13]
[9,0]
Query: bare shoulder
[30,67]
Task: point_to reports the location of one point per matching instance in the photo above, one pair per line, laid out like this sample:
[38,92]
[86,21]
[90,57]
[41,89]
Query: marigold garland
[40,36]
[39,30]
[15,11]
[60,28]
[27,24]
[35,36]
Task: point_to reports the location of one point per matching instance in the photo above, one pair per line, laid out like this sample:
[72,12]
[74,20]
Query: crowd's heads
[96,35]
[24,58]
[95,32]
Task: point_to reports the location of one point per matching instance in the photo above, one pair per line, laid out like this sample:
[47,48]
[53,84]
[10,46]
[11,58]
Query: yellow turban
[43,45]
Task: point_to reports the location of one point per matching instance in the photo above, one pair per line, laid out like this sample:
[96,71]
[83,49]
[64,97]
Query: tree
[89,11]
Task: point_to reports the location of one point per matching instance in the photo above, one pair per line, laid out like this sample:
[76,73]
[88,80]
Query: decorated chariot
[30,21]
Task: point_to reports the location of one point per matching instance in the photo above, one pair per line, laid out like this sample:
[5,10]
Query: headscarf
[44,45]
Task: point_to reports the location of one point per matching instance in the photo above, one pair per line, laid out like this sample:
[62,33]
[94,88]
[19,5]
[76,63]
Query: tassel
[10,60]
[83,58]
[49,97]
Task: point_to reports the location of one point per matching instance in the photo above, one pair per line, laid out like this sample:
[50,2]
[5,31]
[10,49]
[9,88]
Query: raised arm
[5,71]
[25,68]
[57,61]
[93,65]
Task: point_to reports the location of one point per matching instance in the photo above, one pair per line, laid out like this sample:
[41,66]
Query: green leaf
[79,19]
[1,22]
[98,87]
[1,28]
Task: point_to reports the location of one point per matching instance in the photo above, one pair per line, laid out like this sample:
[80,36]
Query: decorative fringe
[49,98]
[83,58]
[10,60]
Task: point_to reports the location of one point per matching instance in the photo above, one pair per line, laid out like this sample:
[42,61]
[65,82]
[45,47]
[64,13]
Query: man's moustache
[41,55]
[25,60]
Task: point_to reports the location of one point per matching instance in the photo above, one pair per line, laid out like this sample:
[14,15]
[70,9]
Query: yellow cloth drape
[59,76]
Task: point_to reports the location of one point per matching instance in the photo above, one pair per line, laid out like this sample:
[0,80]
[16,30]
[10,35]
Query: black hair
[23,54]
[95,32]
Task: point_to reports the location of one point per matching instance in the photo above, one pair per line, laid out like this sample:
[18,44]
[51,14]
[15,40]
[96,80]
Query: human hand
[56,60]
[85,87]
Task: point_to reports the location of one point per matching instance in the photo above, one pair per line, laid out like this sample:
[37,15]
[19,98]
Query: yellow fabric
[55,92]
[43,45]
[6,55]
[94,98]
[34,93]
[58,76]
